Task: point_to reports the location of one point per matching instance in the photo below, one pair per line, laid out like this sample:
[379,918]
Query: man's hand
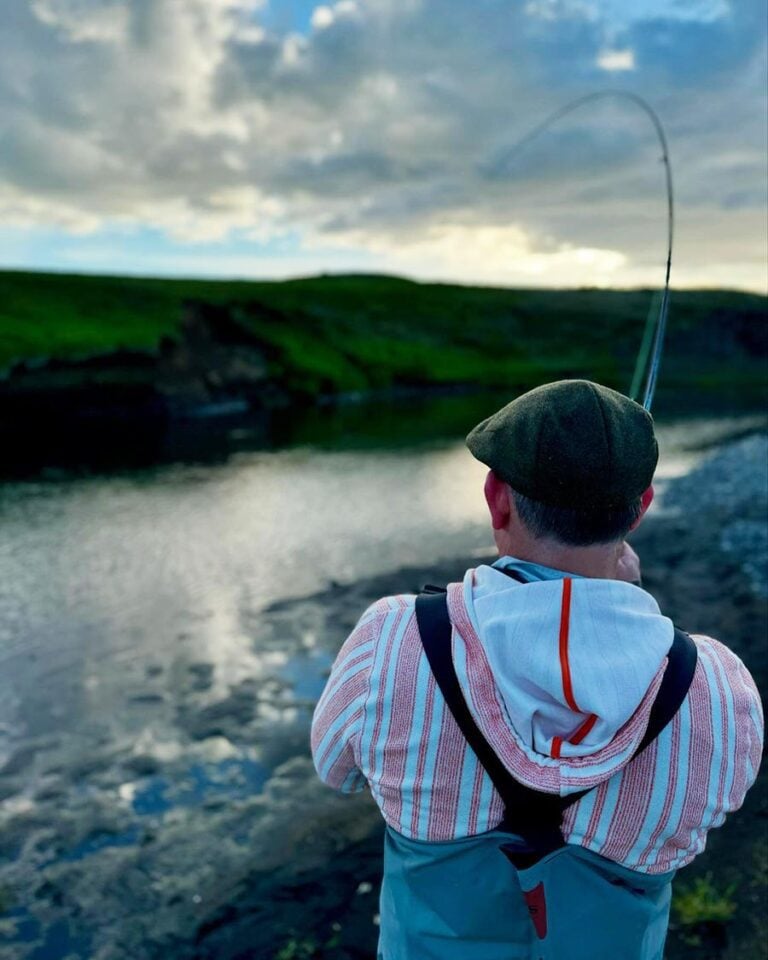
[628,565]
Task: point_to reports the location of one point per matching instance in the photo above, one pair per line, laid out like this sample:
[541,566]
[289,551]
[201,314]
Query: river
[140,680]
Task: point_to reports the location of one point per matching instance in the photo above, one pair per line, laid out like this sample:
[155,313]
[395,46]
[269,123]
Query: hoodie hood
[560,673]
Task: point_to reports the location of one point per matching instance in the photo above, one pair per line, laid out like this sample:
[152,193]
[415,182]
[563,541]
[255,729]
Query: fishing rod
[653,338]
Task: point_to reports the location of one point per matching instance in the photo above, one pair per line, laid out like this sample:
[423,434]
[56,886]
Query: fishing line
[653,337]
[645,346]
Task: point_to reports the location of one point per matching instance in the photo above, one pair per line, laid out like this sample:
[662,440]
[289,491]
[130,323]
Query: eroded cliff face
[117,407]
[214,361]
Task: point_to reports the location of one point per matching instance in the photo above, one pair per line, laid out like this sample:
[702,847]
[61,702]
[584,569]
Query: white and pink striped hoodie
[560,674]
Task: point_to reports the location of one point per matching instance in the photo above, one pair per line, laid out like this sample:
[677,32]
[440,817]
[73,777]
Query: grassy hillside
[361,332]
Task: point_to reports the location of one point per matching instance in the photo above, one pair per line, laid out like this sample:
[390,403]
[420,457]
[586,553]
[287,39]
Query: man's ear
[497,498]
[645,501]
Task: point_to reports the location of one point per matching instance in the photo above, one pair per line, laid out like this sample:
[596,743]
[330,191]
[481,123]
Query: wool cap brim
[572,443]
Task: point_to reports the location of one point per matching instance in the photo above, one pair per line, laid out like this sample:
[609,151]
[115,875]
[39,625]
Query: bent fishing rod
[653,337]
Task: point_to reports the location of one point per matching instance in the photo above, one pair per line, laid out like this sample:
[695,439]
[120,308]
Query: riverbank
[100,360]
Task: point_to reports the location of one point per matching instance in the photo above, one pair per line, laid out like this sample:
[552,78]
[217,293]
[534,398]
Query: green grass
[297,950]
[352,333]
[702,907]
[703,902]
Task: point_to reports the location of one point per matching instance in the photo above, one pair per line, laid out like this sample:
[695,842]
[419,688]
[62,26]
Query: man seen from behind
[559,658]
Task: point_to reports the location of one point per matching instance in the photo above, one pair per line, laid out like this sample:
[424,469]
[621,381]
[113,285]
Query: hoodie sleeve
[655,814]
[338,718]
[723,756]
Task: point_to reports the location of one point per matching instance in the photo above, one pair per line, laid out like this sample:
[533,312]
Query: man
[559,657]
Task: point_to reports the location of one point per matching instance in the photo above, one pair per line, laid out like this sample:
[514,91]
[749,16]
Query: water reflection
[390,422]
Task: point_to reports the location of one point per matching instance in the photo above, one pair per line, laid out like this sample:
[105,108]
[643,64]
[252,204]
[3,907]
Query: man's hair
[576,526]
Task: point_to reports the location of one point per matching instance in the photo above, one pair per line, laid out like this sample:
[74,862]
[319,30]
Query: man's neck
[599,561]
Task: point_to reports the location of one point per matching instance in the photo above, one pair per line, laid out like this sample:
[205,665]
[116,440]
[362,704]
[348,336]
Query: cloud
[391,127]
[79,21]
[499,255]
[323,17]
[616,60]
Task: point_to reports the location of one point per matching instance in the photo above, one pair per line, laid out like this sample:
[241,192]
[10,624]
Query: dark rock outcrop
[215,367]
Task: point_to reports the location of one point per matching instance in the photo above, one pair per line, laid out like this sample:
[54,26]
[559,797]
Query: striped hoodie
[560,675]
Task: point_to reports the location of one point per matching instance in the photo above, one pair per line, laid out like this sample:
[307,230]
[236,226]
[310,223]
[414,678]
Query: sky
[277,138]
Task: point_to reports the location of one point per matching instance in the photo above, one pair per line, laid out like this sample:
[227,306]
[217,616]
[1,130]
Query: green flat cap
[572,443]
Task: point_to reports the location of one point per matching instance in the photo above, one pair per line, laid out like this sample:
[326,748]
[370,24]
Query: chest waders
[582,906]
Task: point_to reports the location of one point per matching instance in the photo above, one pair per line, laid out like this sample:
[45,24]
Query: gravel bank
[732,485]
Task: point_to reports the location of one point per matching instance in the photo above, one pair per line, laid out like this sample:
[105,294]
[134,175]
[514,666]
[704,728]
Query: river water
[139,676]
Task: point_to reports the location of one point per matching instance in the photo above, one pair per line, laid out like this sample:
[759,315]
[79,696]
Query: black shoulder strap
[435,630]
[674,687]
[540,813]
[535,815]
